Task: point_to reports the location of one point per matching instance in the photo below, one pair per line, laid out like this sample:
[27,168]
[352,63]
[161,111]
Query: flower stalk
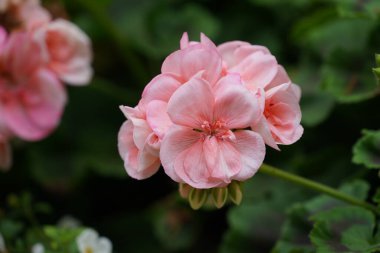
[310,184]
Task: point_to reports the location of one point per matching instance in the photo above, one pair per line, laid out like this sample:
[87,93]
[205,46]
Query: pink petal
[187,62]
[234,103]
[227,51]
[141,129]
[46,99]
[228,162]
[139,164]
[251,147]
[257,70]
[263,129]
[184,42]
[296,90]
[35,112]
[68,50]
[287,134]
[160,88]
[125,140]
[191,167]
[207,42]
[158,118]
[277,90]
[192,104]
[177,140]
[280,78]
[246,50]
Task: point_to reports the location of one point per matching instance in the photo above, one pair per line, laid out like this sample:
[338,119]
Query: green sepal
[235,192]
[197,198]
[219,196]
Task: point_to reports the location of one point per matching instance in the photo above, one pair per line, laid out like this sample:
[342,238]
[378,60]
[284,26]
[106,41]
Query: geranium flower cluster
[37,55]
[207,116]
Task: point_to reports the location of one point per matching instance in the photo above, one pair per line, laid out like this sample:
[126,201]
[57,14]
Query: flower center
[216,129]
[88,250]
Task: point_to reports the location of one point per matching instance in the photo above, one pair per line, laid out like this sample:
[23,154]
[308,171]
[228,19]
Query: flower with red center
[209,146]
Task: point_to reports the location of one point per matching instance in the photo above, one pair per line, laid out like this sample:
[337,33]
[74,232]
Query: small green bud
[377,57]
[235,193]
[197,198]
[219,196]
[376,71]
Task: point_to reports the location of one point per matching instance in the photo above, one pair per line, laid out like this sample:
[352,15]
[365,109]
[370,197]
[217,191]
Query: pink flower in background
[140,138]
[35,58]
[260,72]
[67,51]
[208,145]
[31,97]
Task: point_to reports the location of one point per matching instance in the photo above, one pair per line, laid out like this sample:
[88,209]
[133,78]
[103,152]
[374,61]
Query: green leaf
[354,8]
[316,105]
[257,221]
[344,229]
[316,108]
[149,25]
[327,34]
[295,230]
[175,227]
[348,77]
[235,242]
[367,150]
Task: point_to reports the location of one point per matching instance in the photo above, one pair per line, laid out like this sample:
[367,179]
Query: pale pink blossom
[67,51]
[140,137]
[269,83]
[31,97]
[194,59]
[209,146]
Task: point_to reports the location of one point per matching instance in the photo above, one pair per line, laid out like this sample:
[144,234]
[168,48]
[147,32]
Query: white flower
[38,248]
[2,244]
[90,242]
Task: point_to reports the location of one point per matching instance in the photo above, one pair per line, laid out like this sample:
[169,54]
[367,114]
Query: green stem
[272,171]
[131,60]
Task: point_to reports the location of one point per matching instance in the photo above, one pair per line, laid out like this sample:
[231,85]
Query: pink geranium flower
[66,50]
[31,97]
[208,145]
[199,59]
[140,137]
[269,82]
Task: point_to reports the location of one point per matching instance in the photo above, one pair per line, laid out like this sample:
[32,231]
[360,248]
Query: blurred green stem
[130,59]
[275,172]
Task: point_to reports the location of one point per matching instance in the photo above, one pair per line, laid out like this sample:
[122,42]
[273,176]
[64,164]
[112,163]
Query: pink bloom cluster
[209,113]
[36,56]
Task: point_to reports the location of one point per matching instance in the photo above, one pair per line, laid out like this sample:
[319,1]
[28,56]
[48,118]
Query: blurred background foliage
[328,48]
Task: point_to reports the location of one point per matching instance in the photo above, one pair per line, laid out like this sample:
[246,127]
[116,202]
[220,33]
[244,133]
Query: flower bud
[184,190]
[235,193]
[197,198]
[219,196]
